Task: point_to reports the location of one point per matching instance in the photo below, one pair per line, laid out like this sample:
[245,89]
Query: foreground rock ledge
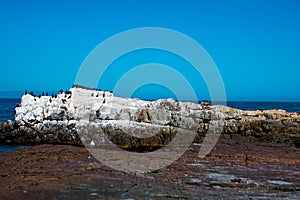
[86,117]
[233,170]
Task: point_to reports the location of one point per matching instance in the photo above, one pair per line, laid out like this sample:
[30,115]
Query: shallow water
[5,148]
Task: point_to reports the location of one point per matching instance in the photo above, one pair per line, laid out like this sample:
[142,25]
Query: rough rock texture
[233,170]
[92,115]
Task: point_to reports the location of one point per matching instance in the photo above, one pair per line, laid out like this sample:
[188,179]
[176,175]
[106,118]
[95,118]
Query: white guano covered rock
[93,112]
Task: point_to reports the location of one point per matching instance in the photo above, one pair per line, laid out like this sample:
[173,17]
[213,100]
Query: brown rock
[233,169]
[143,116]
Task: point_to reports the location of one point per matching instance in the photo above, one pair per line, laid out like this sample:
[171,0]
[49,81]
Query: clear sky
[255,44]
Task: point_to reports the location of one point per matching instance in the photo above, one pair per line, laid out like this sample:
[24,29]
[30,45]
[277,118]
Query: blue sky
[255,44]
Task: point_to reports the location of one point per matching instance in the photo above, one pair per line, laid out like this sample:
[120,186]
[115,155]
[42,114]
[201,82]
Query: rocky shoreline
[63,120]
[256,157]
[233,170]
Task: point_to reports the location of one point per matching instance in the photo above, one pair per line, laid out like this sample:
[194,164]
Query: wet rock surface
[234,169]
[258,155]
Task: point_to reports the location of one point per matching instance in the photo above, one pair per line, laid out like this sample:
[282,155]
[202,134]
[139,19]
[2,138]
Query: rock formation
[132,123]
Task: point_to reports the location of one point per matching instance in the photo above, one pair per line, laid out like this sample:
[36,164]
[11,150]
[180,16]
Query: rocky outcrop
[41,120]
[276,126]
[88,117]
[231,171]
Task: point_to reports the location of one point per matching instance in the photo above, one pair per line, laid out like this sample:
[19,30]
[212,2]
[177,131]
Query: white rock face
[38,109]
[91,113]
[98,106]
[103,108]
[98,111]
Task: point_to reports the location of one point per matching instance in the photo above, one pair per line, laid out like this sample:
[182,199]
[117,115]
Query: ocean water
[7,110]
[5,148]
[252,105]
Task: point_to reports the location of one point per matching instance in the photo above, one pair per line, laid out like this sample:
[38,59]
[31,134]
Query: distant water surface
[7,112]
[252,105]
[7,109]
